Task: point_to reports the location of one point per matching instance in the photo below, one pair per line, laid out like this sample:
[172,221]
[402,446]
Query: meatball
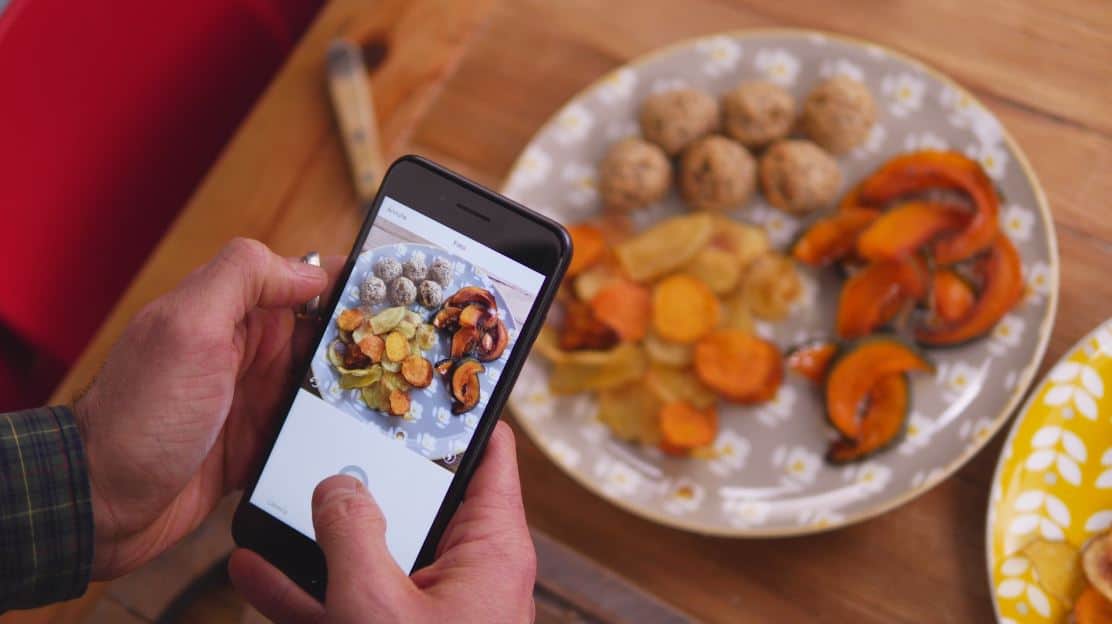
[429,294]
[415,269]
[372,291]
[838,114]
[388,269]
[402,291]
[799,177]
[440,271]
[634,174]
[716,173]
[673,119]
[757,113]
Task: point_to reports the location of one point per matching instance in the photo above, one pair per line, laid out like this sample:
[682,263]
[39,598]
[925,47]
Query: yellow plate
[1053,485]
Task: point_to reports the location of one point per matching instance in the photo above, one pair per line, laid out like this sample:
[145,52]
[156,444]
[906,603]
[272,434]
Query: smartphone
[435,310]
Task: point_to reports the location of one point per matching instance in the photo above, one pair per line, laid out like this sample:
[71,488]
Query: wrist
[104,531]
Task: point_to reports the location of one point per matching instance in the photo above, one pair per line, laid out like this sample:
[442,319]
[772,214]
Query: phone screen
[401,378]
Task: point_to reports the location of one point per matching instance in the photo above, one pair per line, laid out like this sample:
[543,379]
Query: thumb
[351,530]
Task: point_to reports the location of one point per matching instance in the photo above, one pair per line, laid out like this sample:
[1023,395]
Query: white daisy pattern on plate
[573,124]
[779,409]
[918,435]
[820,518]
[1104,479]
[841,67]
[869,477]
[780,227]
[729,452]
[564,453]
[531,170]
[617,478]
[1038,282]
[976,430]
[745,513]
[926,478]
[992,156]
[874,142]
[582,183]
[721,53]
[1017,222]
[622,129]
[904,93]
[778,66]
[618,86]
[1006,334]
[1067,461]
[663,85]
[925,140]
[1077,384]
[1016,585]
[798,463]
[957,378]
[684,497]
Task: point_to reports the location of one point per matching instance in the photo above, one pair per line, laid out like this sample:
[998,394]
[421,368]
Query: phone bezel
[491,219]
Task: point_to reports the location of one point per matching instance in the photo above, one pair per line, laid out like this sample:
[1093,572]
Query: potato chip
[665,247]
[387,320]
[609,369]
[631,413]
[1058,568]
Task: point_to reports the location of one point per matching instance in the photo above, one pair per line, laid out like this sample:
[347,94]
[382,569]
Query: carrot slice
[626,307]
[683,427]
[951,297]
[739,365]
[812,360]
[831,238]
[885,415]
[901,231]
[684,309]
[1092,608]
[588,245]
[875,294]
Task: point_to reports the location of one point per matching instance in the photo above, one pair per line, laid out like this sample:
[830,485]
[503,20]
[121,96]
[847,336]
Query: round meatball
[673,119]
[838,114]
[415,269]
[798,177]
[402,291]
[716,173]
[388,269]
[440,271]
[372,291]
[757,113]
[429,294]
[634,174]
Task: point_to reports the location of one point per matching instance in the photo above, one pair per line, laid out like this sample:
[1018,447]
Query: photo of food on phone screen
[402,375]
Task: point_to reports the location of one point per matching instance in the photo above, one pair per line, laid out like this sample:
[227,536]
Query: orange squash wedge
[875,294]
[853,376]
[882,422]
[903,230]
[831,238]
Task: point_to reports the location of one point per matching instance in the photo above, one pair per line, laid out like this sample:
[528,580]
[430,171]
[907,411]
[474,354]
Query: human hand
[484,570]
[181,410]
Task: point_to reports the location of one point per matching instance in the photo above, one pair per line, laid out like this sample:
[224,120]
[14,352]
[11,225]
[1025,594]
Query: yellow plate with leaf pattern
[1053,487]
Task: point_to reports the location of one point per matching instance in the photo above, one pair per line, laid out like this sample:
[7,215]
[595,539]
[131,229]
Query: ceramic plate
[770,477]
[431,429]
[1054,478]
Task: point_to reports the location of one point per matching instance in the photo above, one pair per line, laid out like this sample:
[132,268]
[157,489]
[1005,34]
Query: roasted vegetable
[831,238]
[884,417]
[670,384]
[735,313]
[350,319]
[581,329]
[717,268]
[950,297]
[684,427]
[1096,560]
[771,286]
[464,341]
[493,343]
[426,337]
[417,371]
[475,315]
[873,295]
[373,347]
[668,353]
[447,318]
[406,328]
[1057,566]
[625,306]
[353,358]
[399,403]
[854,374]
[1001,275]
[443,367]
[597,370]
[664,247]
[472,295]
[387,320]
[373,376]
[631,413]
[377,397]
[397,346]
[917,171]
[1092,608]
[588,247]
[588,283]
[464,384]
[812,359]
[683,309]
[739,365]
[903,230]
[743,241]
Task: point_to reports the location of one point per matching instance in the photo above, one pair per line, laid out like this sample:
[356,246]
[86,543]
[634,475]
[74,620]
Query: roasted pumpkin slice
[951,296]
[882,422]
[1002,285]
[831,238]
[464,384]
[1092,608]
[875,294]
[812,359]
[918,171]
[588,247]
[854,374]
[903,230]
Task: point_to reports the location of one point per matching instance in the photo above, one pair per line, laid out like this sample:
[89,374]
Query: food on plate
[1057,567]
[399,402]
[670,383]
[582,329]
[716,173]
[397,346]
[950,296]
[798,177]
[386,320]
[372,291]
[757,112]
[493,342]
[1092,608]
[746,242]
[373,347]
[598,370]
[771,286]
[473,294]
[838,114]
[631,413]
[830,239]
[625,306]
[735,312]
[476,335]
[464,382]
[668,353]
[684,308]
[812,359]
[739,365]
[417,371]
[415,269]
[884,412]
[440,271]
[664,247]
[429,294]
[684,428]
[717,268]
[387,269]
[905,229]
[674,119]
[402,291]
[634,174]
[592,280]
[1096,561]
[349,320]
[588,245]
[854,374]
[874,295]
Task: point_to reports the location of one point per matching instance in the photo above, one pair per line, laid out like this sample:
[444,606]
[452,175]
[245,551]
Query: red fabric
[110,113]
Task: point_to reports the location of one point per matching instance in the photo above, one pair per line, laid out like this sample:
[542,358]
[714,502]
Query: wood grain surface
[1043,66]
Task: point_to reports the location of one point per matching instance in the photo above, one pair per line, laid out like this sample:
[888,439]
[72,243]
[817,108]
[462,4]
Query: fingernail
[304,269]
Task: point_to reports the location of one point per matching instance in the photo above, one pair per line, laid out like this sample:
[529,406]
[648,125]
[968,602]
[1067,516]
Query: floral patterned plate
[1054,478]
[769,477]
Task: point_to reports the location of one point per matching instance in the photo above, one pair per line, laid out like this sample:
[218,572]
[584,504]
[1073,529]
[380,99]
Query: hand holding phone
[484,571]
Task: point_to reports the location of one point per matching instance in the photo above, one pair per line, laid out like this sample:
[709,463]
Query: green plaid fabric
[46,517]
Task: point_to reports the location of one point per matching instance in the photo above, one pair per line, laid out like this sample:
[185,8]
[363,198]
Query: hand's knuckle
[245,252]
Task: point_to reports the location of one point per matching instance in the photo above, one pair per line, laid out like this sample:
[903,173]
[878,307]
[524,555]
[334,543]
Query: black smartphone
[434,313]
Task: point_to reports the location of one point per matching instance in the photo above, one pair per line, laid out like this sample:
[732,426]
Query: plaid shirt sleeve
[46,516]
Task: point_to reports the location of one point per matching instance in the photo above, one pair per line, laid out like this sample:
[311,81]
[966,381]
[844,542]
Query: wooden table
[468,83]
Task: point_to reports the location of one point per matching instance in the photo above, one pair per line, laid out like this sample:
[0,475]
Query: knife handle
[355,114]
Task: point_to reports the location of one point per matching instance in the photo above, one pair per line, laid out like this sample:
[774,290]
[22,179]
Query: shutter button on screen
[355,471]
